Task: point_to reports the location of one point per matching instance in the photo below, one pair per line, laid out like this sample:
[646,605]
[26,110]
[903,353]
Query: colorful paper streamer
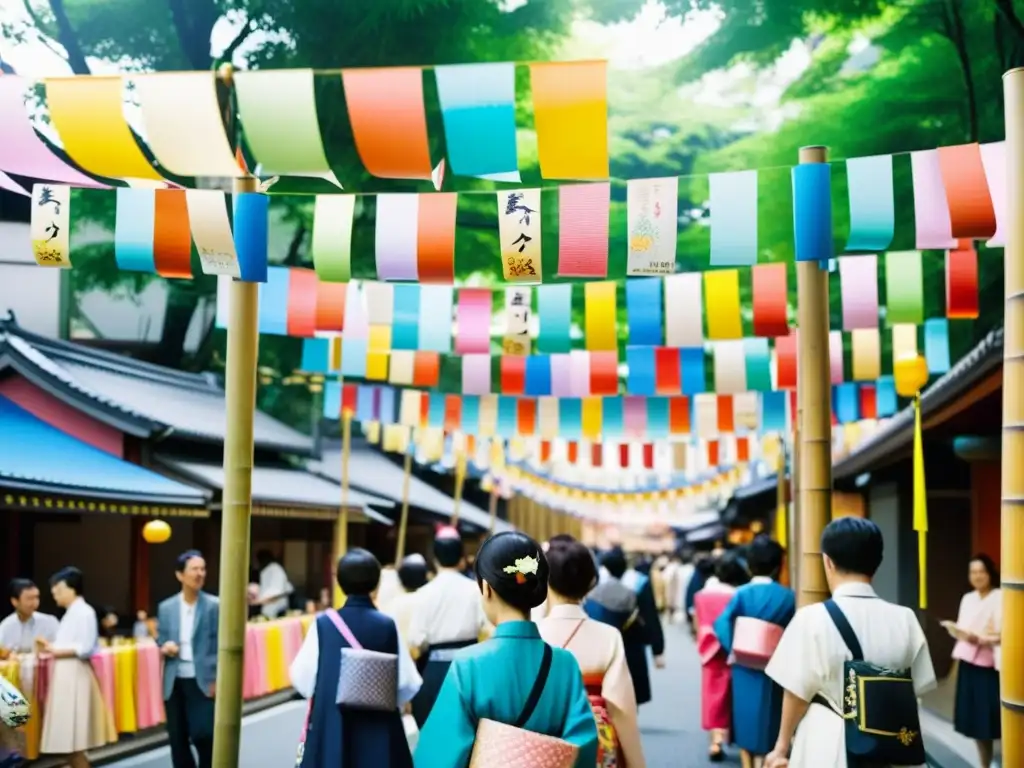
[872,203]
[733,218]
[583,230]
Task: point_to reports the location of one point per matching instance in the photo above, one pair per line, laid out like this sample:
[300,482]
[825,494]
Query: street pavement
[670,724]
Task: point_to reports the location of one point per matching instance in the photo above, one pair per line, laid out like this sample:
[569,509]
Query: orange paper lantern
[156,532]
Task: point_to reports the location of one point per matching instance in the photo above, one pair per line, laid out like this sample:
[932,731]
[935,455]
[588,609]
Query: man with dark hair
[18,632]
[187,637]
[808,662]
[275,587]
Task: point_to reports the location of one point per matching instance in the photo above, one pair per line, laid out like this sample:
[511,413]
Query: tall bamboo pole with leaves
[1012,565]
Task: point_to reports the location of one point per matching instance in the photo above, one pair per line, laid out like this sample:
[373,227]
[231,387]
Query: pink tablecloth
[149,700]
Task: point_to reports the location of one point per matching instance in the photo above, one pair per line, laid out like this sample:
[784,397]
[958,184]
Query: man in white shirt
[809,659]
[187,637]
[448,616]
[275,588]
[18,632]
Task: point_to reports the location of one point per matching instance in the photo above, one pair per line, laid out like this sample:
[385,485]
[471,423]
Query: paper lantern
[911,374]
[156,532]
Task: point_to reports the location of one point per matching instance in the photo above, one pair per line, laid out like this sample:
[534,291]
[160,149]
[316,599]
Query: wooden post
[240,403]
[460,481]
[815,416]
[403,524]
[1012,560]
[341,524]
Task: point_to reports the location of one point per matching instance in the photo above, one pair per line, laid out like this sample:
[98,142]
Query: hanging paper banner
[904,341]
[971,214]
[904,288]
[773,411]
[583,230]
[389,122]
[684,310]
[426,369]
[835,356]
[519,229]
[435,237]
[679,415]
[251,229]
[301,317]
[936,344]
[759,364]
[211,231]
[667,371]
[353,357]
[478,103]
[570,114]
[604,373]
[858,277]
[579,373]
[554,315]
[652,220]
[527,417]
[570,418]
[771,299]
[396,237]
[730,367]
[722,299]
[436,318]
[410,408]
[6,182]
[705,415]
[812,212]
[88,113]
[931,210]
[726,415]
[134,225]
[488,415]
[403,366]
[846,403]
[538,375]
[733,218]
[643,311]
[641,377]
[867,354]
[517,321]
[600,314]
[473,321]
[561,375]
[476,374]
[785,361]
[380,303]
[332,237]
[590,418]
[184,129]
[405,318]
[172,240]
[316,358]
[872,203]
[513,375]
[277,109]
[885,394]
[378,351]
[868,402]
[993,158]
[962,284]
[51,224]
[329,311]
[612,417]
[691,361]
[634,410]
[547,416]
[332,398]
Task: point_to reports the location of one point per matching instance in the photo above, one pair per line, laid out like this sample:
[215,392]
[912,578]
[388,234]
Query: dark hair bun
[515,567]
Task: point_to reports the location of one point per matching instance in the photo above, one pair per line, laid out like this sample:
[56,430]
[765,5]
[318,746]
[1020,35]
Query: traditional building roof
[134,397]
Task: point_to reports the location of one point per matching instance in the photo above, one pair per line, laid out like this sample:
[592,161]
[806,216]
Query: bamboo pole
[341,524]
[1012,560]
[814,419]
[460,481]
[240,404]
[403,524]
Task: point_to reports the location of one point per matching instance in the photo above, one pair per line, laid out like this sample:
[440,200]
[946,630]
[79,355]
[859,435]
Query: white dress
[809,660]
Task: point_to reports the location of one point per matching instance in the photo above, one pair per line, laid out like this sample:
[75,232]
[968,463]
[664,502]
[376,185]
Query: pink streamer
[6,182]
[634,417]
[561,375]
[476,374]
[579,373]
[858,277]
[473,318]
[931,208]
[993,158]
[835,354]
[583,230]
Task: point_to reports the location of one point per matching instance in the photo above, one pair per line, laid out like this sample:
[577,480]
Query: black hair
[412,572]
[560,538]
[264,558]
[764,556]
[729,570]
[72,578]
[990,568]
[705,566]
[107,610]
[854,545]
[448,551]
[358,572]
[496,563]
[182,562]
[643,566]
[20,585]
[571,569]
[614,561]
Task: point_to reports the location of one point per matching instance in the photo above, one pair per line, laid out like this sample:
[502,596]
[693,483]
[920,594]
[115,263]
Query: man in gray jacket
[187,636]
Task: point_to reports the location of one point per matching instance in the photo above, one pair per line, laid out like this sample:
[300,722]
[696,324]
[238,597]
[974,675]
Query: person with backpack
[852,667]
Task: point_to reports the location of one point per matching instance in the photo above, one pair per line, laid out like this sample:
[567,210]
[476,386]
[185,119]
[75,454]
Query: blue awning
[37,457]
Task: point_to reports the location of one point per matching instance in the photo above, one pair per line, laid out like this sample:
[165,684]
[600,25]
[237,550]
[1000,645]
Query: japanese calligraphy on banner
[211,230]
[520,233]
[517,314]
[652,218]
[51,225]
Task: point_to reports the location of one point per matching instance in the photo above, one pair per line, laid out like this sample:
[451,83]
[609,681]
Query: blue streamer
[538,375]
[508,420]
[612,417]
[554,315]
[332,399]
[471,414]
[872,203]
[316,355]
[640,377]
[812,212]
[273,316]
[759,364]
[643,310]
[134,226]
[846,402]
[364,404]
[435,410]
[252,231]
[436,318]
[773,411]
[353,357]
[885,396]
[657,417]
[387,406]
[405,323]
[570,418]
[936,344]
[691,363]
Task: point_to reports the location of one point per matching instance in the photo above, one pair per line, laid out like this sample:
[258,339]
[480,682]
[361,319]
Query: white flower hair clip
[523,567]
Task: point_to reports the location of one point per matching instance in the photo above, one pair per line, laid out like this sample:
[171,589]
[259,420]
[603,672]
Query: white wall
[33,292]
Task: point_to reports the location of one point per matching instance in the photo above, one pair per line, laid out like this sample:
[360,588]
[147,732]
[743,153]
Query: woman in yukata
[977,631]
[708,603]
[494,679]
[344,737]
[756,699]
[598,649]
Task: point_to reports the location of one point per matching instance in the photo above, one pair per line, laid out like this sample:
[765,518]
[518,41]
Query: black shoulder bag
[537,690]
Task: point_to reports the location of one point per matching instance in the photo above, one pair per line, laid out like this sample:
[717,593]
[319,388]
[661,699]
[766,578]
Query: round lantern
[911,374]
[156,532]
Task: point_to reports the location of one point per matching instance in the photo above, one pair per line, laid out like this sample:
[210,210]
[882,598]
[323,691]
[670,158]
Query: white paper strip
[684,310]
[651,215]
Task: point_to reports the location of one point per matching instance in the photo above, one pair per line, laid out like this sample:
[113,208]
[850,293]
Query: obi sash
[444,653]
[754,642]
[609,753]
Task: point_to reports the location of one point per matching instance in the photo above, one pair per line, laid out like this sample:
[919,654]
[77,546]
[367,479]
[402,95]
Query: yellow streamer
[782,510]
[920,505]
[867,354]
[599,316]
[904,341]
[591,418]
[722,304]
[378,349]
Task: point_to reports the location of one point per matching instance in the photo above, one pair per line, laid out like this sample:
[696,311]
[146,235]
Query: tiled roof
[37,456]
[135,397]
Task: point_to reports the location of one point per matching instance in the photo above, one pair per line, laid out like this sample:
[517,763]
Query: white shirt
[20,636]
[78,631]
[274,581]
[303,670]
[187,624]
[809,660]
[448,610]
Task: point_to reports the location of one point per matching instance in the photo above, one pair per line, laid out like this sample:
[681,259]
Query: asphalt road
[670,724]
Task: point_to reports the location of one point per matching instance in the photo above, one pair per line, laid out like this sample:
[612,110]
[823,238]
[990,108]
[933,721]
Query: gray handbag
[368,679]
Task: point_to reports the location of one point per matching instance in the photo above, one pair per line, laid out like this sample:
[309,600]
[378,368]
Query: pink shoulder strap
[342,627]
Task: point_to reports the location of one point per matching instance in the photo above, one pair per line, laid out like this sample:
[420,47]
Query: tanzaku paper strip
[771,299]
[684,310]
[936,344]
[570,114]
[134,224]
[330,306]
[730,367]
[332,237]
[380,303]
[403,364]
[652,220]
[583,230]
[904,287]
[435,237]
[858,277]
[6,182]
[278,114]
[519,230]
[962,284]
[396,236]
[211,231]
[302,298]
[436,318]
[22,152]
[835,356]
[172,241]
[405,333]
[733,218]
[931,211]
[600,316]
[51,224]
[812,212]
[554,314]
[517,321]
[785,361]
[184,129]
[643,311]
[389,122]
[993,157]
[904,341]
[867,354]
[872,204]
[473,321]
[88,114]
[478,108]
[971,214]
[251,232]
[579,373]
[722,300]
